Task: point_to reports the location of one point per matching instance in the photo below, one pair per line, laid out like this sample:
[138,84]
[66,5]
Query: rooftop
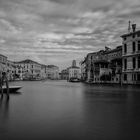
[27,61]
[118,48]
[52,66]
[74,67]
[3,55]
[131,33]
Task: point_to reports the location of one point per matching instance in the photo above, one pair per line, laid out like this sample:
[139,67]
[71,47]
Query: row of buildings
[31,70]
[119,65]
[28,70]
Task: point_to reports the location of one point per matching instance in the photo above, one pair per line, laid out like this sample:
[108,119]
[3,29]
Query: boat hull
[12,89]
[74,80]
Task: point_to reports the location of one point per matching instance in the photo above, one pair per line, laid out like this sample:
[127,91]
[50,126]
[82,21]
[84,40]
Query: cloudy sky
[58,31]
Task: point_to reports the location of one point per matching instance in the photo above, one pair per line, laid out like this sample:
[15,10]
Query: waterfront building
[64,74]
[31,69]
[19,72]
[28,70]
[35,71]
[114,59]
[52,72]
[43,72]
[104,66]
[74,71]
[90,60]
[83,70]
[11,69]
[3,63]
[131,56]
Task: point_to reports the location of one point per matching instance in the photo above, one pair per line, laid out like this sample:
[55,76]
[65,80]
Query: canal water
[70,111]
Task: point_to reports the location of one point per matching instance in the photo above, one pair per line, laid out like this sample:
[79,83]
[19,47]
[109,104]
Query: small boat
[74,80]
[12,89]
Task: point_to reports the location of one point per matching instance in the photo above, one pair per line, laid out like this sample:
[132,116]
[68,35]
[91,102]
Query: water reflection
[4,108]
[62,110]
[112,112]
[4,117]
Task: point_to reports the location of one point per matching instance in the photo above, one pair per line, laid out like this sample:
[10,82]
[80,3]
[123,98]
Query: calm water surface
[71,111]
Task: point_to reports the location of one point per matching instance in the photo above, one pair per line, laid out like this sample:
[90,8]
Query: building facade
[83,70]
[131,56]
[11,69]
[52,72]
[3,63]
[74,71]
[64,74]
[30,69]
[104,66]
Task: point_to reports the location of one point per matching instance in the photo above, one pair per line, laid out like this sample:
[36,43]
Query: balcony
[130,70]
[136,70]
[105,71]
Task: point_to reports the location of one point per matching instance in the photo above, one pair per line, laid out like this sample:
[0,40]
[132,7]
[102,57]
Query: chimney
[134,27]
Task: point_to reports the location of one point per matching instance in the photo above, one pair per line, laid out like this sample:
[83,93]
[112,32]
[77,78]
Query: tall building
[131,56]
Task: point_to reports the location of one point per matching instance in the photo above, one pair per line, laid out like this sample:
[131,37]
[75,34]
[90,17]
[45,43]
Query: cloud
[64,1]
[53,30]
[2,41]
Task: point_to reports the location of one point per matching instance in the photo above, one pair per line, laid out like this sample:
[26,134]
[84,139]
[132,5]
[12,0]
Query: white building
[74,71]
[30,69]
[131,56]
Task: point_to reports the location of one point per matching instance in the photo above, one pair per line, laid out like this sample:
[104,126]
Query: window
[125,64]
[134,63]
[124,38]
[133,36]
[139,62]
[138,77]
[125,48]
[125,77]
[138,34]
[134,77]
[138,45]
[134,46]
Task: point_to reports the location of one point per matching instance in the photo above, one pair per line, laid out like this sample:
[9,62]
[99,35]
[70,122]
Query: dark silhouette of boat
[75,80]
[12,89]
